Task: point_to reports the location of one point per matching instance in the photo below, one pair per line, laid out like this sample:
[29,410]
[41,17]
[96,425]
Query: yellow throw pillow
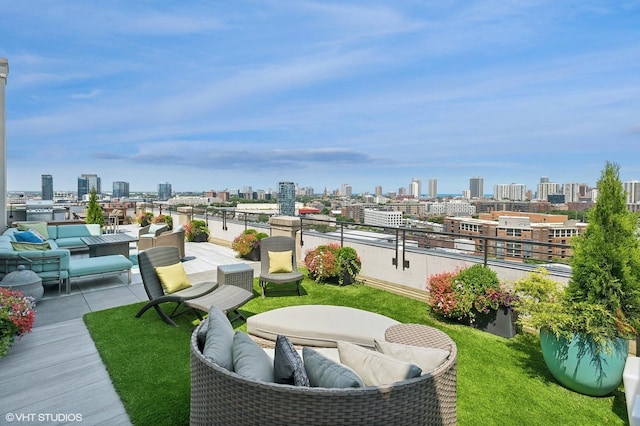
[280,261]
[173,278]
[39,227]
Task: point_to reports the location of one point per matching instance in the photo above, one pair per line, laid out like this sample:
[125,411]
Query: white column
[4,71]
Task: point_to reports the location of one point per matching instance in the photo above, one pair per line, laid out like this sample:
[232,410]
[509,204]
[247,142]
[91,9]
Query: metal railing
[413,239]
[405,239]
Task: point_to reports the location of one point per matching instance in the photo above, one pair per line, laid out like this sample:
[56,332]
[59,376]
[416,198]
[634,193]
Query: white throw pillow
[375,368]
[428,359]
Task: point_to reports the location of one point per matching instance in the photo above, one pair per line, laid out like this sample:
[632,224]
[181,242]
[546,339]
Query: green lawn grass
[500,381]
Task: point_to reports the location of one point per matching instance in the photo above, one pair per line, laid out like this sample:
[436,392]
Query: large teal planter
[576,366]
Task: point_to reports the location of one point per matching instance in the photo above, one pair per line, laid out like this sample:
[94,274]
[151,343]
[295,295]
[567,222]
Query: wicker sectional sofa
[222,397]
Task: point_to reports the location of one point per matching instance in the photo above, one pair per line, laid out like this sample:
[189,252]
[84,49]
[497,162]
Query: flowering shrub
[460,295]
[144,219]
[195,228]
[247,241]
[443,299]
[17,315]
[330,261]
[162,218]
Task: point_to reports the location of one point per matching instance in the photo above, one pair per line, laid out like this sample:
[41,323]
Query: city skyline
[512,191]
[211,96]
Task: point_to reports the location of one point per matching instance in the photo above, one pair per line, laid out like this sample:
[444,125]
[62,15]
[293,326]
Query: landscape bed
[499,380]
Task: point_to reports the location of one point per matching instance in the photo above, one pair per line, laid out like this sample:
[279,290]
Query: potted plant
[584,326]
[17,315]
[330,262]
[94,211]
[247,244]
[162,218]
[349,264]
[196,231]
[144,218]
[475,297]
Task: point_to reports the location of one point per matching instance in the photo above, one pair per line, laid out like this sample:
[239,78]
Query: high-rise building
[547,188]
[47,187]
[433,188]
[415,188]
[512,191]
[632,190]
[164,191]
[247,193]
[476,187]
[378,190]
[347,190]
[120,189]
[87,182]
[571,192]
[287,198]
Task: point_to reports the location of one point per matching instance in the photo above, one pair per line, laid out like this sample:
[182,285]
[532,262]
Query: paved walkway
[54,375]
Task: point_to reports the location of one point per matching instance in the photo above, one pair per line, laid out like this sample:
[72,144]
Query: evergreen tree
[606,258]
[94,211]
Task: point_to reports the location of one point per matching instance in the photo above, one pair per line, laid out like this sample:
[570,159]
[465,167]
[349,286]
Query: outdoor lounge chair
[278,244]
[165,256]
[146,233]
[173,238]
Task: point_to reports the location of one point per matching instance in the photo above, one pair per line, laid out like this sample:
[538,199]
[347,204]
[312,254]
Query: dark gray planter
[254,254]
[200,238]
[501,322]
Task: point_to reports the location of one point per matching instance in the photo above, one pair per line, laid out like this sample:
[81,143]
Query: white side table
[631,380]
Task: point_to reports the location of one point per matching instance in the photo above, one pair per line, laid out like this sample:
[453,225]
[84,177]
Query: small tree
[94,211]
[606,260]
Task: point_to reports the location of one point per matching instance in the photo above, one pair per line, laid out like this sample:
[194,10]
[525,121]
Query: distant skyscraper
[415,188]
[544,179]
[86,182]
[476,187]
[164,191]
[47,187]
[347,190]
[433,188]
[632,190]
[378,191]
[120,189]
[547,188]
[287,198]
[571,192]
[512,191]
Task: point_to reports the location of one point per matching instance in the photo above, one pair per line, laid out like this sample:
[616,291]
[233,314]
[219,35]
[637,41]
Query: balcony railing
[404,258]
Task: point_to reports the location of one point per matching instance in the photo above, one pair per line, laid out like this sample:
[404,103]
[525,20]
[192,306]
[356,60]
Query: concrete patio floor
[54,375]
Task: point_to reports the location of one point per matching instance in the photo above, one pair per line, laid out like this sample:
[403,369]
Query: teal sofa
[50,265]
[53,262]
[65,236]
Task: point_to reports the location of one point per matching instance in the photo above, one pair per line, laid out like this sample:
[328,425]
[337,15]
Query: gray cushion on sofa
[288,368]
[326,373]
[249,360]
[218,346]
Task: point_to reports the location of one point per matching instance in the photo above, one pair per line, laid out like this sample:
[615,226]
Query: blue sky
[215,95]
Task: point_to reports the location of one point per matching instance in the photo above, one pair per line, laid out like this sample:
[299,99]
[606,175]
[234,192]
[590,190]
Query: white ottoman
[631,380]
[320,325]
